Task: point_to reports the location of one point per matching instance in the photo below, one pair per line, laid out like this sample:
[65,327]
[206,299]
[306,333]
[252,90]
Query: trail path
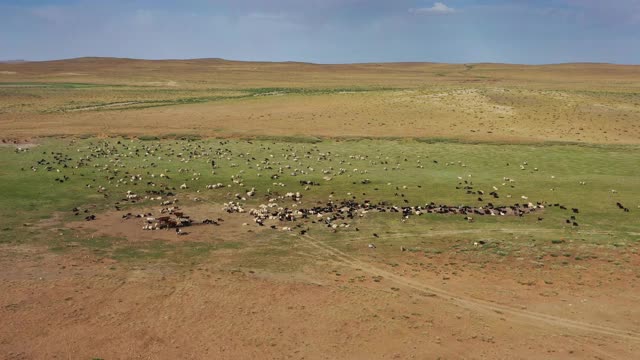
[473,304]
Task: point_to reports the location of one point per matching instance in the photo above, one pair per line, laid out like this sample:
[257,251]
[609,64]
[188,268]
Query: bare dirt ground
[80,307]
[336,306]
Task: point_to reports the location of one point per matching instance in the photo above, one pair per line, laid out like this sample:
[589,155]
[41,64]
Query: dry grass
[221,73]
[593,103]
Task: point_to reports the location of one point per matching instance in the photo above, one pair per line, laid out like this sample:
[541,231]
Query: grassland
[397,170]
[589,103]
[79,134]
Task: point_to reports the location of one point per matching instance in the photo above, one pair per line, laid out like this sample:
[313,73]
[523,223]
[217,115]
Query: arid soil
[336,306]
[588,103]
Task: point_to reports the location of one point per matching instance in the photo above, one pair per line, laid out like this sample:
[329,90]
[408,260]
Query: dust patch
[112,224]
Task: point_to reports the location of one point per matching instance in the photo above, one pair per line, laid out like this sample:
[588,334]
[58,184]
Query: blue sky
[325,31]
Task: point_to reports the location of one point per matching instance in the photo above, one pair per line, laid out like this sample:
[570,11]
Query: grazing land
[218,209]
[588,103]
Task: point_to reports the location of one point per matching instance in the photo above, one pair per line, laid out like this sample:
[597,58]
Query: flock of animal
[112,166]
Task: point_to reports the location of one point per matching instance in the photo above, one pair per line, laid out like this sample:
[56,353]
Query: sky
[325,31]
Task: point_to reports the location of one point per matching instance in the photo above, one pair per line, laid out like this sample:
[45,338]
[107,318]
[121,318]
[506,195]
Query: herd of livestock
[115,166]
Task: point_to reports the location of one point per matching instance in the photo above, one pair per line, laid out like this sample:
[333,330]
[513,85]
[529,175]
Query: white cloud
[437,9]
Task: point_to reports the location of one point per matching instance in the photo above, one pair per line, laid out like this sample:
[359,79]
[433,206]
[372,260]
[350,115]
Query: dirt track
[95,307]
[479,305]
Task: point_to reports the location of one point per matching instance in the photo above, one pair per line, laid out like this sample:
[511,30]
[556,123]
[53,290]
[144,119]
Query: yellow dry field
[592,103]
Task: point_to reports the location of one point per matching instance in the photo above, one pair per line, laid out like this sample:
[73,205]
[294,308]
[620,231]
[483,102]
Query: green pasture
[401,172]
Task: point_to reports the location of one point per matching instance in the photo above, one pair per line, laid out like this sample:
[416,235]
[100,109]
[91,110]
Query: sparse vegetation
[90,162]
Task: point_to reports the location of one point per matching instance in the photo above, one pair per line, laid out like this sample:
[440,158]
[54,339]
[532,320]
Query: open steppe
[593,103]
[365,211]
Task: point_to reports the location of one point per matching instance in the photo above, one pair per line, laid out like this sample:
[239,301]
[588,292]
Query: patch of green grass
[180,253]
[148,138]
[149,251]
[59,249]
[396,170]
[310,91]
[438,140]
[140,97]
[291,139]
[200,249]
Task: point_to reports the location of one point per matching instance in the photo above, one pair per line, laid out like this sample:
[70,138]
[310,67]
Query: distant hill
[221,73]
[584,102]
[17,61]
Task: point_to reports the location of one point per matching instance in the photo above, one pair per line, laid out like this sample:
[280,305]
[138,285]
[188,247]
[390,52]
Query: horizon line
[22,61]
